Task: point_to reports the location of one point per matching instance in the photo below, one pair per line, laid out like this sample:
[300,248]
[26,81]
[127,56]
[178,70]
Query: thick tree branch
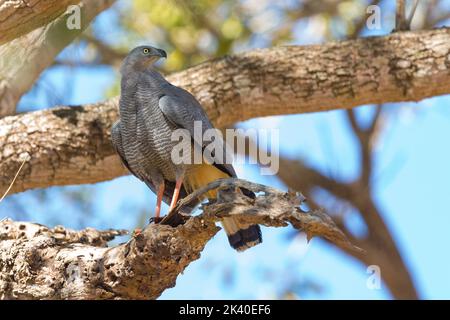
[406,66]
[18,17]
[23,59]
[41,263]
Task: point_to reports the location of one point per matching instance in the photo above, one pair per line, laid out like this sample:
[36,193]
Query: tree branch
[379,245]
[412,13]
[406,66]
[402,20]
[19,17]
[107,54]
[41,263]
[23,59]
[400,16]
[365,140]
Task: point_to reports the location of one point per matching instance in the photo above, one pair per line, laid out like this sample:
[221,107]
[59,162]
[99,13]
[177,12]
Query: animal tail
[240,236]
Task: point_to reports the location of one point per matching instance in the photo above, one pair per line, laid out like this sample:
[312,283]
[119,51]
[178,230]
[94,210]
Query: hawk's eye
[146,51]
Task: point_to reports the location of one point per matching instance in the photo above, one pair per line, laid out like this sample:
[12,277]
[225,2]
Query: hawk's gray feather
[151,109]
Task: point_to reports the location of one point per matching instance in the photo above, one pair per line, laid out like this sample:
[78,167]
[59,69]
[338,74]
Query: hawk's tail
[241,237]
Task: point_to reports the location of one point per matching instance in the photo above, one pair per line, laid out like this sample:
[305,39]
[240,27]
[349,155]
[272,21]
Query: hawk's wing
[182,109]
[116,140]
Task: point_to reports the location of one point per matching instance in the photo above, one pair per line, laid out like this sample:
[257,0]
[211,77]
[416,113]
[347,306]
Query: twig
[402,22]
[400,19]
[26,158]
[411,14]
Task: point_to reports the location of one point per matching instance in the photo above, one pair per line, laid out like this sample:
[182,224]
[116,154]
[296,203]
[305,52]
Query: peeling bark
[405,66]
[41,263]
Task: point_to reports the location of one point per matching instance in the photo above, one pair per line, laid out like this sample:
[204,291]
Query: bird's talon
[155,220]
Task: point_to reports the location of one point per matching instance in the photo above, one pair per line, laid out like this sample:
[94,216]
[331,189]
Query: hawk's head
[142,57]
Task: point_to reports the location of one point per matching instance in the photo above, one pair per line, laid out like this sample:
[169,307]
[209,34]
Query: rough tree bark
[405,66]
[19,17]
[65,264]
[23,59]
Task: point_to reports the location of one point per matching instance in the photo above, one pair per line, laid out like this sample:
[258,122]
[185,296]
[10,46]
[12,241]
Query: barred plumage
[150,110]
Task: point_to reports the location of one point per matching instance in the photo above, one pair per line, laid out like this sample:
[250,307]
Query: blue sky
[412,186]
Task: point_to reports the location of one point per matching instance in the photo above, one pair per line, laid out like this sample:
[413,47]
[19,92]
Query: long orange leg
[176,193]
[159,200]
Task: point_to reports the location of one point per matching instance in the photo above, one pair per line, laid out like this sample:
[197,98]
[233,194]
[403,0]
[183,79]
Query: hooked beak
[162,53]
